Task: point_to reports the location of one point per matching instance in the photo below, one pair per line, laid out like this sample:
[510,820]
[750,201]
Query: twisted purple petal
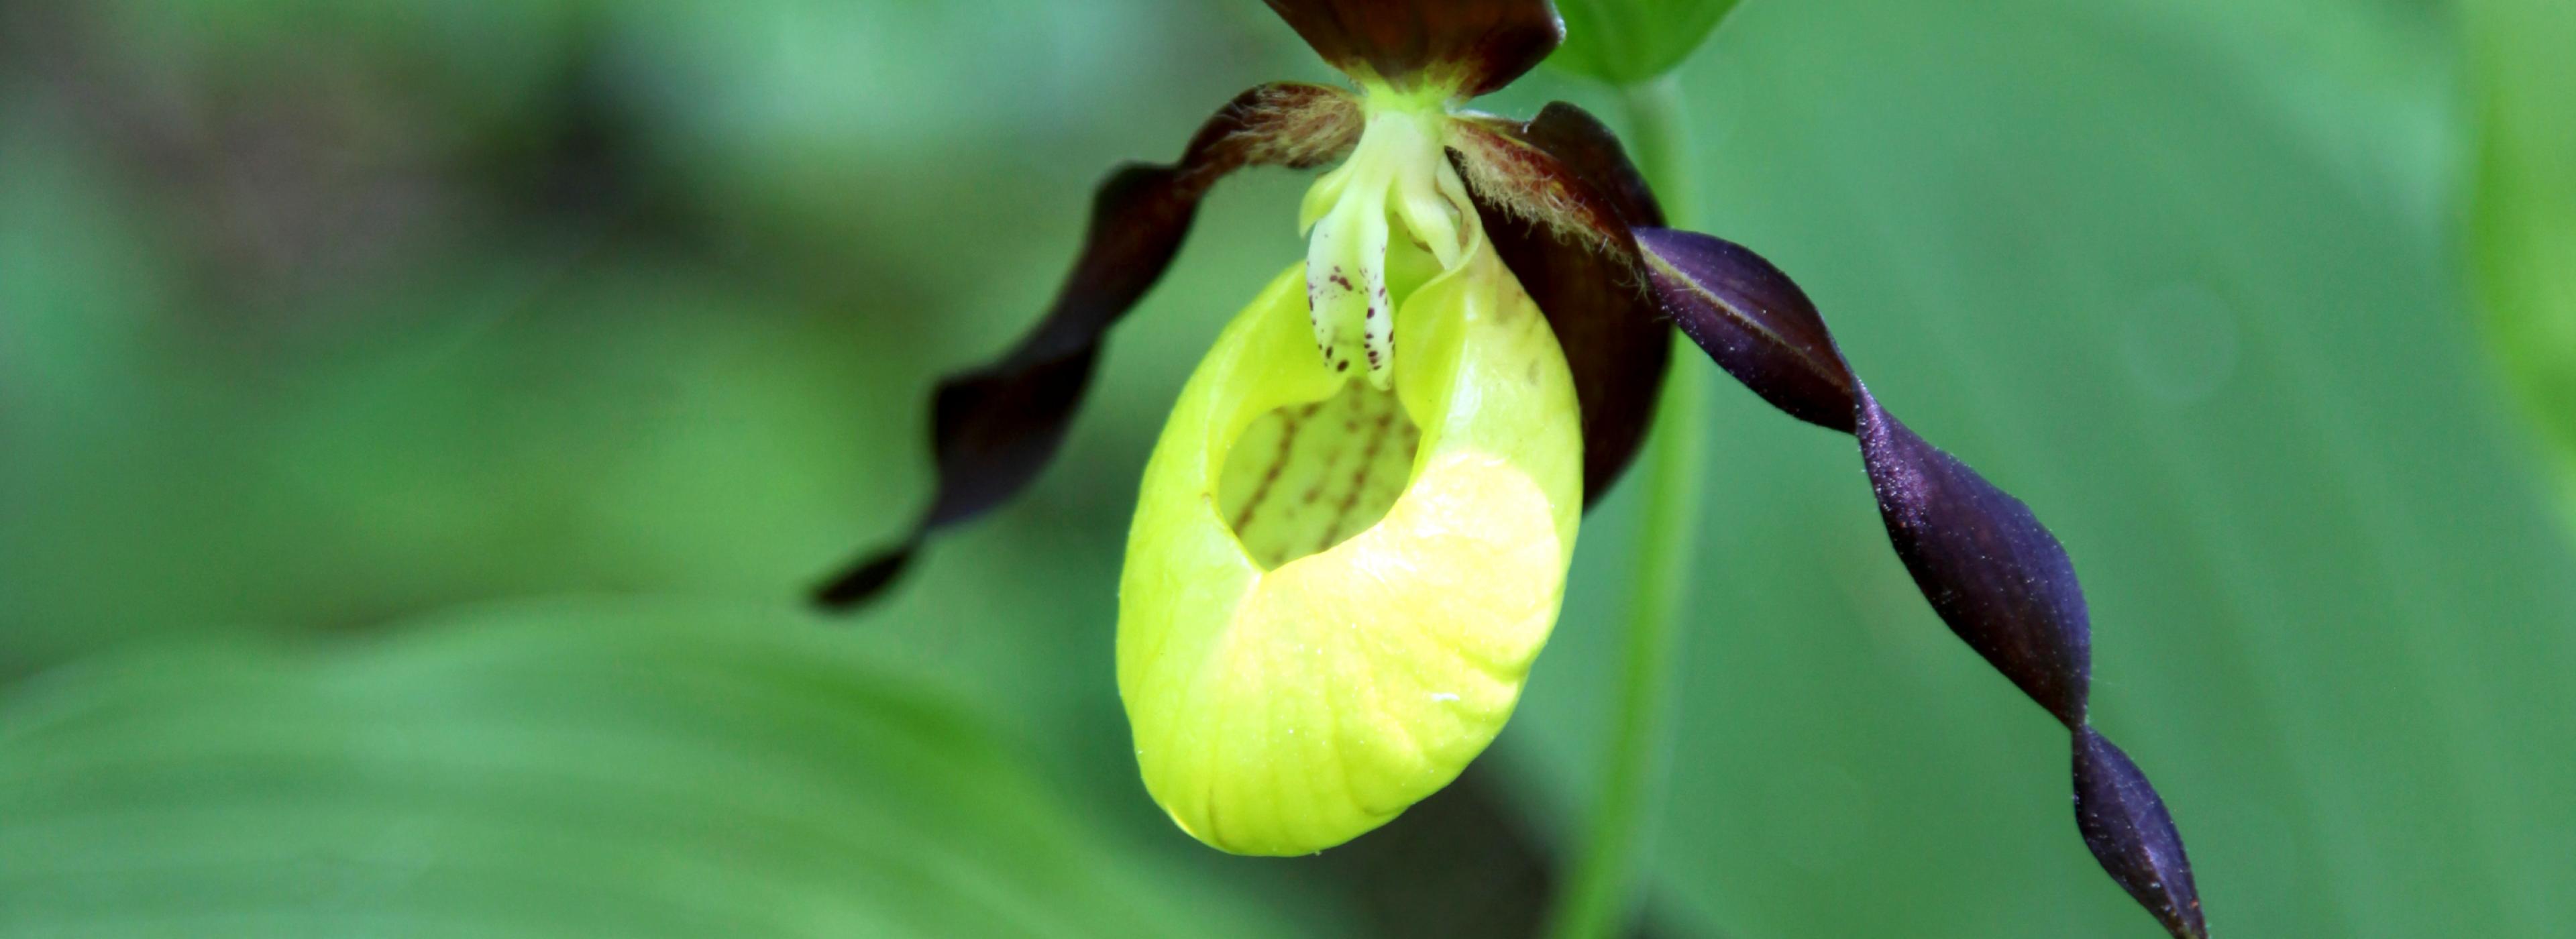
[1994,574]
[994,427]
[1755,322]
[1990,569]
[2126,825]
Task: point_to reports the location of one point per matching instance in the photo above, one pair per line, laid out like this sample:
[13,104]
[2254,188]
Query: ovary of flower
[1398,173]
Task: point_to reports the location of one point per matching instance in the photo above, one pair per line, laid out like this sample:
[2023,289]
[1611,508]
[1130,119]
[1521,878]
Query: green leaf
[1624,42]
[2522,231]
[564,769]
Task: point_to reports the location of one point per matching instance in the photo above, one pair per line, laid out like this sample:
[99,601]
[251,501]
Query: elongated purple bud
[1995,575]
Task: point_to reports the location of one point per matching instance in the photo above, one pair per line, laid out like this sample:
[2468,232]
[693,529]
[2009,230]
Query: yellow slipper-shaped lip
[1295,672]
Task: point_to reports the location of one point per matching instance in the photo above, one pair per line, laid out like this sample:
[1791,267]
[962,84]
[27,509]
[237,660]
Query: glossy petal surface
[1285,709]
[1474,46]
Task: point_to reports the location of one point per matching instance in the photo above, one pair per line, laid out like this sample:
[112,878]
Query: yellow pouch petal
[1333,592]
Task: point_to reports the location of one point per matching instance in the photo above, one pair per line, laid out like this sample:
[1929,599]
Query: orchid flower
[1353,536]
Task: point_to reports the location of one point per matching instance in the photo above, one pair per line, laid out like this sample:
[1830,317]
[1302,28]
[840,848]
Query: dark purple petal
[1753,321]
[1615,345]
[1592,152]
[862,580]
[993,428]
[1557,197]
[1475,45]
[2126,825]
[1992,572]
[1562,170]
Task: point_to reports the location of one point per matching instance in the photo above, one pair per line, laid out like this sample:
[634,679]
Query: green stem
[1603,895]
[1660,124]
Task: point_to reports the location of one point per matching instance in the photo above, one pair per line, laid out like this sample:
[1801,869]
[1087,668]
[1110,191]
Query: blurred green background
[418,420]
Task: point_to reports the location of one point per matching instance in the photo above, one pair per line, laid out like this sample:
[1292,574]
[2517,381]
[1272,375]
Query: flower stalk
[1604,890]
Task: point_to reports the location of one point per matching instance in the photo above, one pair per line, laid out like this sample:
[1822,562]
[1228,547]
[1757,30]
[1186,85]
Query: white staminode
[1400,169]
